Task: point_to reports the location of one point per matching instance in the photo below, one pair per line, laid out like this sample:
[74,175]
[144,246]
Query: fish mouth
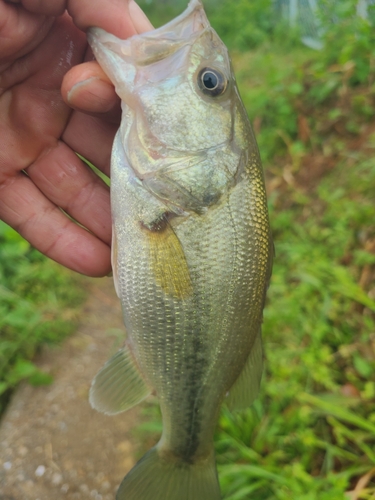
[118,57]
[162,42]
[154,45]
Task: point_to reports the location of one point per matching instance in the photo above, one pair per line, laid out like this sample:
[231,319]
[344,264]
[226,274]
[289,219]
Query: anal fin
[119,385]
[246,388]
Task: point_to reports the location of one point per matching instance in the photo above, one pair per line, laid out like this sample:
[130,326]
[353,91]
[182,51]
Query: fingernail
[92,94]
[79,86]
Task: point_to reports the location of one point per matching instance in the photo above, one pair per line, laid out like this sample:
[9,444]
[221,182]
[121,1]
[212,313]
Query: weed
[311,433]
[36,306]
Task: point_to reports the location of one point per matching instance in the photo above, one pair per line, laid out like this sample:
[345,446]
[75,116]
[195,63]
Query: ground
[52,444]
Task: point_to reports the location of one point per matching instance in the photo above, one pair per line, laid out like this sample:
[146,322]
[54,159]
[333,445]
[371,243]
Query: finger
[110,15]
[25,208]
[139,18]
[87,88]
[20,31]
[48,8]
[33,114]
[63,178]
[92,138]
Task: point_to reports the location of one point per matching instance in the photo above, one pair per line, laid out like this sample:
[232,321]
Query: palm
[40,174]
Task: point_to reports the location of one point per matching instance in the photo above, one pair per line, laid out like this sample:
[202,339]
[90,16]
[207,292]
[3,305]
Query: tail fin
[157,478]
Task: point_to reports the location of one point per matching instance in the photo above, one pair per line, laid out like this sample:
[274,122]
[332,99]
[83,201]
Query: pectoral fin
[119,385]
[168,262]
[246,388]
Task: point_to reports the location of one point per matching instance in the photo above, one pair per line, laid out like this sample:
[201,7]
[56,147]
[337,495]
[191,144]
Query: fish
[191,251]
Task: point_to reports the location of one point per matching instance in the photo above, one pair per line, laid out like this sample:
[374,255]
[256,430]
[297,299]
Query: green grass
[311,433]
[38,301]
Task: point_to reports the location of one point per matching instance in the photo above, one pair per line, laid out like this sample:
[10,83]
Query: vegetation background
[311,433]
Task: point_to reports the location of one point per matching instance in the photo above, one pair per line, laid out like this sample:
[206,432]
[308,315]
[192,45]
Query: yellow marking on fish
[168,262]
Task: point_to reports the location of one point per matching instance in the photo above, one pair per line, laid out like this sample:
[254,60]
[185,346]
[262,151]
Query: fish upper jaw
[119,58]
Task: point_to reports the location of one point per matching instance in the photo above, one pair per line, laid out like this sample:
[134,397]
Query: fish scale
[192,248]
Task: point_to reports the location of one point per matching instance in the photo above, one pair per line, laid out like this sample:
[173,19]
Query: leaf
[40,378]
[3,387]
[361,485]
[21,370]
[363,367]
[337,411]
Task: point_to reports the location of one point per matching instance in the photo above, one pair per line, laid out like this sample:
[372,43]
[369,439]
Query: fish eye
[212,82]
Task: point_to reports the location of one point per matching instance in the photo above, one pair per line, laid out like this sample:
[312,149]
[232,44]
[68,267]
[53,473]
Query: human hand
[41,46]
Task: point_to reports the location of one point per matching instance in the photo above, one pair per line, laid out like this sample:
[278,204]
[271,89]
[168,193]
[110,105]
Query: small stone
[80,368]
[56,478]
[73,473]
[105,486]
[40,470]
[63,427]
[84,488]
[64,488]
[23,451]
[7,465]
[99,477]
[124,446]
[128,463]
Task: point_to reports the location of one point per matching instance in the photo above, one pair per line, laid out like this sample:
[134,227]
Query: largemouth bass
[191,248]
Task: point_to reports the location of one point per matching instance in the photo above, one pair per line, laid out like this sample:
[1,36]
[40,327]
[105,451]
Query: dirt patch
[52,444]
